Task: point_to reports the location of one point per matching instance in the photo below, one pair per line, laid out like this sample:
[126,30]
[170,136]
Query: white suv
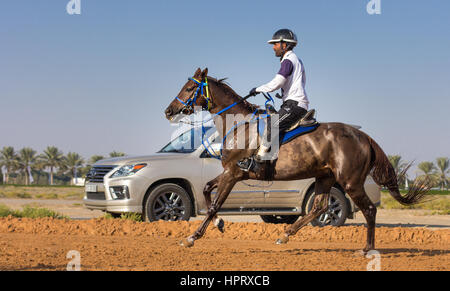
[169,186]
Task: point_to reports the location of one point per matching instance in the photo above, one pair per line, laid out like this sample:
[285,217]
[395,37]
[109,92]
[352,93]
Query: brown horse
[333,153]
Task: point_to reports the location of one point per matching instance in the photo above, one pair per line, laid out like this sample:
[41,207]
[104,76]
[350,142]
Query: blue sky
[100,81]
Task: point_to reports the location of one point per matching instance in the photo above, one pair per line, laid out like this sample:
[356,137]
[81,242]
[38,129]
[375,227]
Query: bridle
[192,101]
[203,86]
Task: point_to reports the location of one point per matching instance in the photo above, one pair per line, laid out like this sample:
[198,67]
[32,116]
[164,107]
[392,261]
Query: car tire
[288,219]
[168,202]
[338,209]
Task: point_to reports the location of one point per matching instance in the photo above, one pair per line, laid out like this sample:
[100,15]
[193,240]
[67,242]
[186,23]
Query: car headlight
[128,170]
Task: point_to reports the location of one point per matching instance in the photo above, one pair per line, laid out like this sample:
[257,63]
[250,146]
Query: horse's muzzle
[168,113]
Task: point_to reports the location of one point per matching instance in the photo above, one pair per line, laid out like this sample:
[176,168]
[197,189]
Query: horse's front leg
[225,184]
[209,187]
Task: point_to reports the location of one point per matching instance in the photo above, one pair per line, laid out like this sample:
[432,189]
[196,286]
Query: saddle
[307,120]
[304,125]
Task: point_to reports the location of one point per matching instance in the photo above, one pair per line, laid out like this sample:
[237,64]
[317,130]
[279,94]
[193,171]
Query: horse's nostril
[168,112]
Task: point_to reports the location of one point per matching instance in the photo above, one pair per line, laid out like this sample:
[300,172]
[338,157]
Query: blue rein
[208,146]
[193,101]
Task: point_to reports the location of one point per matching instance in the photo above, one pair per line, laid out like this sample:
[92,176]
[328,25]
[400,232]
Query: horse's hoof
[282,240]
[187,243]
[220,224]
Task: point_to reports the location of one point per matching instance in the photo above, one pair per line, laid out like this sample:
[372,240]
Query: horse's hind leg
[369,210]
[322,189]
[218,222]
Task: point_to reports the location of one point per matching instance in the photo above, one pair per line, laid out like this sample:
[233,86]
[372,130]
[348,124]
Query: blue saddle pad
[289,135]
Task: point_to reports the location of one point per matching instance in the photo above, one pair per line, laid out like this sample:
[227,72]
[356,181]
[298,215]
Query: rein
[193,101]
[200,88]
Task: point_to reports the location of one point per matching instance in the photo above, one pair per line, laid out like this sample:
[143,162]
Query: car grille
[95,195]
[97,173]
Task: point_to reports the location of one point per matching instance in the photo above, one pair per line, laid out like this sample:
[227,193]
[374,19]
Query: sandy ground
[421,243]
[390,218]
[113,244]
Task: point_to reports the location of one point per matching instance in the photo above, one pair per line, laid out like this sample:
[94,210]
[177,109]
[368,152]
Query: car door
[243,194]
[282,194]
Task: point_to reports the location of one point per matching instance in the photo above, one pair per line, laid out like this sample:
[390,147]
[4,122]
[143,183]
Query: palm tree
[52,158]
[399,167]
[443,167]
[115,154]
[397,163]
[428,169]
[95,158]
[27,158]
[8,158]
[72,162]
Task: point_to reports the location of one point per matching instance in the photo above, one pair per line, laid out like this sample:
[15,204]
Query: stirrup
[246,164]
[250,164]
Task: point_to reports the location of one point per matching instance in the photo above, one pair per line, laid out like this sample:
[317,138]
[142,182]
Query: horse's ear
[198,72]
[205,73]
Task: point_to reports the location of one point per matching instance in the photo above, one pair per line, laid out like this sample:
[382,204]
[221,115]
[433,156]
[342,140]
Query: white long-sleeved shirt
[291,79]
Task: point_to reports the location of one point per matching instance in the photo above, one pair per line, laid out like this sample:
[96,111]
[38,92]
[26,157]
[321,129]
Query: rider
[291,79]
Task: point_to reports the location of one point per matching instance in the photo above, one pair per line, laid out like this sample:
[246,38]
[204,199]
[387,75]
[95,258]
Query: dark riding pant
[288,114]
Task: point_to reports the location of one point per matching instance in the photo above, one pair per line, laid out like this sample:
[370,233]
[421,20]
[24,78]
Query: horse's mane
[229,91]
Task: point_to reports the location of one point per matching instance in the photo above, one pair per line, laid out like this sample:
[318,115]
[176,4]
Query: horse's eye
[190,89]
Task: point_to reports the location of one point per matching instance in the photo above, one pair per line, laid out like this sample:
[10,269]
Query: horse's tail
[384,174]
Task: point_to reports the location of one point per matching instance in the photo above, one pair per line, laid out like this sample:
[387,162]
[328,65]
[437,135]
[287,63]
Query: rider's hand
[253,92]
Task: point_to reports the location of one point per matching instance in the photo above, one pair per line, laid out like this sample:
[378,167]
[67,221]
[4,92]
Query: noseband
[201,86]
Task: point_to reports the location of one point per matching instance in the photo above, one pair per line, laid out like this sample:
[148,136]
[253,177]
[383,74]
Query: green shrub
[439,204]
[129,215]
[5,211]
[32,212]
[23,196]
[29,212]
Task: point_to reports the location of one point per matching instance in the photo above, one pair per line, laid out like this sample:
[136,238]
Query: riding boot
[258,164]
[261,162]
[262,165]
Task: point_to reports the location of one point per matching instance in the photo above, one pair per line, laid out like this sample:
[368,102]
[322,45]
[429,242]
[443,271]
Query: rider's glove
[253,92]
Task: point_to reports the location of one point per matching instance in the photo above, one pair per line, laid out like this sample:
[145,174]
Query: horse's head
[194,93]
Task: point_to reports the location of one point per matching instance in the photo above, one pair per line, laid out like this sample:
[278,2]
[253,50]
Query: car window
[207,153]
[188,141]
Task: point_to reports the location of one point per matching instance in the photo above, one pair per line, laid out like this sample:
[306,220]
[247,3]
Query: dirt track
[43,244]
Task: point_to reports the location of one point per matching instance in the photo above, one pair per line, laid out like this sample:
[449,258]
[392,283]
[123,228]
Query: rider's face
[278,48]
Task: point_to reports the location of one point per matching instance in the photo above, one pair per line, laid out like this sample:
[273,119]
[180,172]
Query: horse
[332,153]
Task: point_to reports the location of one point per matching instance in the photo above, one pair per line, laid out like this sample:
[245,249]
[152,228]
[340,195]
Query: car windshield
[188,141]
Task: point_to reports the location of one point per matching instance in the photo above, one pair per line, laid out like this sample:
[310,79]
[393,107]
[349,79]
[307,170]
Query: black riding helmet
[284,35]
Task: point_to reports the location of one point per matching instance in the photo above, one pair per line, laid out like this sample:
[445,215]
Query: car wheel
[338,209]
[289,219]
[168,202]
